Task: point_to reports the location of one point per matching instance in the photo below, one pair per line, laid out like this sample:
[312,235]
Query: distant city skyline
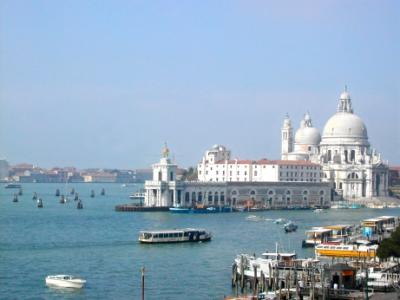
[104,85]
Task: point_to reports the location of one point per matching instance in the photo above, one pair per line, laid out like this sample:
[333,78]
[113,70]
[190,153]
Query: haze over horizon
[91,84]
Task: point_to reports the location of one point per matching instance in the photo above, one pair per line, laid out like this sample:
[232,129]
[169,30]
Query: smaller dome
[307,136]
[218,147]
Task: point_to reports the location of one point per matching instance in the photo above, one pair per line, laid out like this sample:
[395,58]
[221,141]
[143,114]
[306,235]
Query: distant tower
[287,137]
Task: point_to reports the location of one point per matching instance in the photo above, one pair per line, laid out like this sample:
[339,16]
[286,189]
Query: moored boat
[343,250]
[13,186]
[174,236]
[65,281]
[179,210]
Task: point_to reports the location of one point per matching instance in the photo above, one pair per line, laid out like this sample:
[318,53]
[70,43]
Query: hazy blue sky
[105,83]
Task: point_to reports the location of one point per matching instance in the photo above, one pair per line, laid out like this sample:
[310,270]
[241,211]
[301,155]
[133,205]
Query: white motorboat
[65,281]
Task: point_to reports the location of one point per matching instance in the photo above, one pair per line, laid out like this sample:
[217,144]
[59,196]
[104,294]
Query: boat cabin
[388,222]
[317,235]
[340,232]
[174,236]
[372,226]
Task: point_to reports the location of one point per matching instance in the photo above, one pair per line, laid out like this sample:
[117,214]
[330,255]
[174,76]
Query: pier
[131,207]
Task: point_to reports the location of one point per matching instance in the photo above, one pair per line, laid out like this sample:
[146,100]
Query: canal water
[100,245]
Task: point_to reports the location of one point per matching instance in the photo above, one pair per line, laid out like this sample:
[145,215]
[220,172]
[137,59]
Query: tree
[390,247]
[190,174]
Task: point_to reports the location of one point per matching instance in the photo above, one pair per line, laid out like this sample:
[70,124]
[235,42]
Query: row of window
[314,174]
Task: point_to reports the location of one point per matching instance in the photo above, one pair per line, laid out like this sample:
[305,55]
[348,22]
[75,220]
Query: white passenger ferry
[174,236]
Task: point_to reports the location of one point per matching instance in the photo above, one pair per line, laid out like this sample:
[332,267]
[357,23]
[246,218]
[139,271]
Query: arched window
[222,197]
[159,176]
[193,196]
[352,155]
[187,197]
[209,198]
[340,186]
[200,197]
[329,155]
[216,197]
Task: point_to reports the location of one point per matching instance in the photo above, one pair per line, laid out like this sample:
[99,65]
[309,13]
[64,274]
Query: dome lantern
[345,102]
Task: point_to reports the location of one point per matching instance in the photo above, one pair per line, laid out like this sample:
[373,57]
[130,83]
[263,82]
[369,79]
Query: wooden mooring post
[241,273]
[142,285]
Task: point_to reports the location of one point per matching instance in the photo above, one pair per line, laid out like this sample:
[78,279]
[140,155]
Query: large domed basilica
[356,171]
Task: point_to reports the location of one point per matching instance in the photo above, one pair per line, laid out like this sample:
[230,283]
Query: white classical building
[269,184]
[217,166]
[355,170]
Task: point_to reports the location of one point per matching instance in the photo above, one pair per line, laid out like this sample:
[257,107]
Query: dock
[138,208]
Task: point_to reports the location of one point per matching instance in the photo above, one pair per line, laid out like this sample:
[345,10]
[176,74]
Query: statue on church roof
[165,151]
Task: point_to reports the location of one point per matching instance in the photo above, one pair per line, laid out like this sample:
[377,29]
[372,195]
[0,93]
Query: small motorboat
[319,210]
[290,227]
[179,210]
[279,221]
[62,199]
[40,203]
[76,197]
[65,281]
[57,193]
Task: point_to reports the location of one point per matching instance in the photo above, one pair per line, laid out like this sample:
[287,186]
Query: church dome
[307,136]
[345,125]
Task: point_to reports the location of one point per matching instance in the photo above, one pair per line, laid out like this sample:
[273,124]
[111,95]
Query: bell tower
[287,137]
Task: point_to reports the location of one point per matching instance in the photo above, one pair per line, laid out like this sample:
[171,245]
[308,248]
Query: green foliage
[390,247]
[190,174]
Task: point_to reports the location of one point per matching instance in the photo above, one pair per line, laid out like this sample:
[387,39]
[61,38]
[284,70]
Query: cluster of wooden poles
[282,286]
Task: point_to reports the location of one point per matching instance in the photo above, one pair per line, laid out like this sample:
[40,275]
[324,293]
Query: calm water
[101,245]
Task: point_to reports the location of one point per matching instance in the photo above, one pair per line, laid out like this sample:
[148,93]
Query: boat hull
[206,239]
[74,283]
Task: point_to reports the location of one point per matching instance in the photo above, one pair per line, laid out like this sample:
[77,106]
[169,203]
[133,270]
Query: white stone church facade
[311,172]
[356,171]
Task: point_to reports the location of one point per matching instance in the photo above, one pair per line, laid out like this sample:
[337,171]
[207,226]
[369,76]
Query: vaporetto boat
[174,236]
[343,250]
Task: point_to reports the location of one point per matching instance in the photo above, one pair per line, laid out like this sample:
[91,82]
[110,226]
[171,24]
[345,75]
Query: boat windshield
[146,235]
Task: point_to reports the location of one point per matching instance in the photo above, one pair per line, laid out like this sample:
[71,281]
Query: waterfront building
[165,190]
[217,166]
[356,171]
[99,177]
